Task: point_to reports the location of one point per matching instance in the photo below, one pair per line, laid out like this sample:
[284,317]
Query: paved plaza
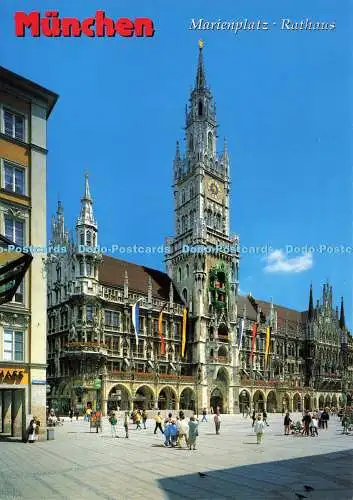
[79,464]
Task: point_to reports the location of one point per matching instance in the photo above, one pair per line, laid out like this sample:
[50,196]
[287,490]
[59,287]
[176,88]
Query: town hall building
[200,344]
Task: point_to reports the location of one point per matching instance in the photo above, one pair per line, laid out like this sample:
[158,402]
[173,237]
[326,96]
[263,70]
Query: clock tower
[203,258]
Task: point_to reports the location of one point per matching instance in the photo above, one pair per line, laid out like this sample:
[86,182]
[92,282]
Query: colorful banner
[136,319]
[268,337]
[183,334]
[241,333]
[160,329]
[253,340]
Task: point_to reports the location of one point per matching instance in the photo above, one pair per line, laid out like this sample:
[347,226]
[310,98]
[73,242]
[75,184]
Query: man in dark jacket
[325,417]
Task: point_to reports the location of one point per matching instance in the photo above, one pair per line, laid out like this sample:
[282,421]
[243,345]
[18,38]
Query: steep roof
[112,273]
[250,310]
[292,316]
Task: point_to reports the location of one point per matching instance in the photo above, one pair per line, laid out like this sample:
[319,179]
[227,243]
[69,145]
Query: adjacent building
[239,351]
[25,107]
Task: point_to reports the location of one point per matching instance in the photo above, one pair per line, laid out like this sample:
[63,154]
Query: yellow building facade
[24,109]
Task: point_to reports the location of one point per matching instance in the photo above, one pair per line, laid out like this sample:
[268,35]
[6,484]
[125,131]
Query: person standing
[113,421]
[204,415]
[183,430]
[126,424]
[325,417]
[253,418]
[264,416]
[286,423]
[71,414]
[32,430]
[314,426]
[306,422]
[217,422]
[259,429]
[77,413]
[158,420]
[193,432]
[138,420]
[144,418]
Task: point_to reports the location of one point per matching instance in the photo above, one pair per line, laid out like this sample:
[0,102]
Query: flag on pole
[241,332]
[268,337]
[253,339]
[160,329]
[183,334]
[136,319]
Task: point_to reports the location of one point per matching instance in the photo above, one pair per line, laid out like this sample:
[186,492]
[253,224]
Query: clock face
[213,188]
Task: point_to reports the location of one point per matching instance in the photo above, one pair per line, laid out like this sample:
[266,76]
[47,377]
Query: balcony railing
[151,377]
[223,360]
[85,347]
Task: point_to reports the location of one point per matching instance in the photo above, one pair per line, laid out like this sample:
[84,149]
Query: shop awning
[13,267]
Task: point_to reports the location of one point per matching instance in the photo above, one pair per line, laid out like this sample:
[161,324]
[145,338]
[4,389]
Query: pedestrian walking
[77,413]
[126,424]
[314,426]
[158,420]
[144,418]
[204,415]
[113,421]
[217,422]
[173,431]
[287,421]
[259,427]
[193,432]
[71,414]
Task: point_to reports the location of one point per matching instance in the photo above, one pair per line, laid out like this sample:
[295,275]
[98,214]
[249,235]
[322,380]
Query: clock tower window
[210,143]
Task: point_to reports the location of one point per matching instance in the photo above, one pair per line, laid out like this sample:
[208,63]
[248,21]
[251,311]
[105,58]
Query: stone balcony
[170,378]
[84,348]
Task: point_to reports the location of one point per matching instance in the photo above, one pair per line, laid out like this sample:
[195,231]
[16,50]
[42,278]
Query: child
[126,424]
[193,432]
[259,429]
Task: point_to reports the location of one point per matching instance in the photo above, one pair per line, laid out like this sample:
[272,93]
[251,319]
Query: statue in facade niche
[73,333]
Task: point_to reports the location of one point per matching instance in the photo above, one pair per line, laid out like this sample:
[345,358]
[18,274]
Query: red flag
[253,338]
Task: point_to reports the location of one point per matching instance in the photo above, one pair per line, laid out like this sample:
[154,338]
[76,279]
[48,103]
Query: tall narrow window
[179,274]
[14,178]
[14,125]
[210,143]
[14,230]
[89,312]
[200,108]
[88,239]
[13,345]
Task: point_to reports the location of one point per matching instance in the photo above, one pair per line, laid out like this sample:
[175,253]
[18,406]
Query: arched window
[192,191]
[88,268]
[200,108]
[81,268]
[179,274]
[89,239]
[94,239]
[185,294]
[210,143]
[191,143]
[82,238]
[187,271]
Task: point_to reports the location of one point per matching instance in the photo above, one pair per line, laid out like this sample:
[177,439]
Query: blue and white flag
[136,319]
[241,332]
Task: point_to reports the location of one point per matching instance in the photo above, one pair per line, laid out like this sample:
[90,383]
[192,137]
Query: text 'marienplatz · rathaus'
[239,351]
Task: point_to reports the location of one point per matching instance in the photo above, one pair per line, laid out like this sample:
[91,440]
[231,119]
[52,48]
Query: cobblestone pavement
[79,464]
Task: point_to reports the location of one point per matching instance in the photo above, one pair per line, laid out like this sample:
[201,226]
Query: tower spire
[311,304]
[342,319]
[86,214]
[200,75]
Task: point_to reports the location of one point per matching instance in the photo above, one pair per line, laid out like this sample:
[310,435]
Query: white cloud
[278,262]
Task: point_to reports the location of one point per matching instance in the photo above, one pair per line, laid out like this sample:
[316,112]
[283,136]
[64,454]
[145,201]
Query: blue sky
[283,101]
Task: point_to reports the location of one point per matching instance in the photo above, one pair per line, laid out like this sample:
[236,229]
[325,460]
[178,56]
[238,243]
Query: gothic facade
[93,353]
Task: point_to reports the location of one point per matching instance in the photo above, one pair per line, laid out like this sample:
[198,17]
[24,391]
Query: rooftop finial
[200,76]
[200,44]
